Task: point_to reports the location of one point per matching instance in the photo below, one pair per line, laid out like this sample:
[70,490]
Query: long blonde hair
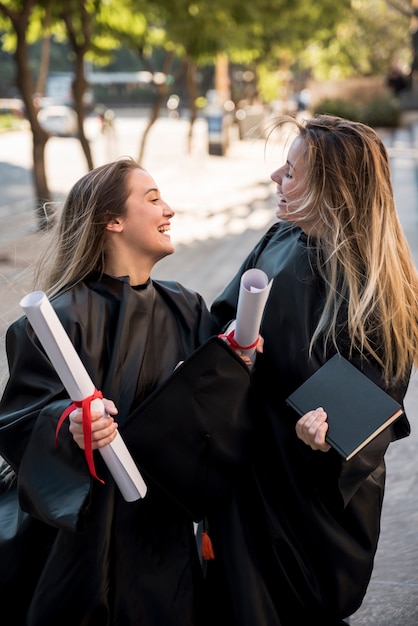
[362,252]
[75,246]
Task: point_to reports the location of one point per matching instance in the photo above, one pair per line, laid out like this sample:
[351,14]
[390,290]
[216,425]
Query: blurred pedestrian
[396,80]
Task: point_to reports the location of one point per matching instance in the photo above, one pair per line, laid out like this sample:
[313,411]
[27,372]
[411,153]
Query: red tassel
[207,548]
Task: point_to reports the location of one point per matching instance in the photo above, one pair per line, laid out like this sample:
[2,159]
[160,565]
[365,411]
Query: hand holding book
[357,409]
[312,428]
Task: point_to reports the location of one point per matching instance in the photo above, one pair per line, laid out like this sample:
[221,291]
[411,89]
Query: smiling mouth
[165,230]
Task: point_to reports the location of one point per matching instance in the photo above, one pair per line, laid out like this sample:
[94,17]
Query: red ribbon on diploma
[234,344]
[85,408]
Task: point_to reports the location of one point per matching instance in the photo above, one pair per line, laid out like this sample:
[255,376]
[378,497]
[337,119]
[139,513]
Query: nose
[168,211]
[276,176]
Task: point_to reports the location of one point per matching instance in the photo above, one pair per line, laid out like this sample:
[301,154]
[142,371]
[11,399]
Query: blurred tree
[251,33]
[18,19]
[409,9]
[45,50]
[364,44]
[270,38]
[79,17]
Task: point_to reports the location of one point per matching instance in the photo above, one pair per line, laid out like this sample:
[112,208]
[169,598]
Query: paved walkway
[223,205]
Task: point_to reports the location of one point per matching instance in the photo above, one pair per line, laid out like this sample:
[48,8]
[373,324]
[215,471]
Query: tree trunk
[44,207]
[161,95]
[40,137]
[193,92]
[155,112]
[79,88]
[79,83]
[45,51]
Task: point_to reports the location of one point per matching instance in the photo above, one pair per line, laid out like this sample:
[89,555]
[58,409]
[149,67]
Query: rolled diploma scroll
[252,298]
[79,385]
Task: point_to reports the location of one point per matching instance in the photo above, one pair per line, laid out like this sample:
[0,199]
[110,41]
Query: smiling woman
[130,332]
[297,542]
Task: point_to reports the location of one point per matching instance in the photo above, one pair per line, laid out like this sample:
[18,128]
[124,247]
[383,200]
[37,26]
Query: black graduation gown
[297,542]
[75,550]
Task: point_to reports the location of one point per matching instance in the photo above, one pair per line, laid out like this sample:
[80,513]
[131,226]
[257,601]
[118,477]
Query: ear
[115,226]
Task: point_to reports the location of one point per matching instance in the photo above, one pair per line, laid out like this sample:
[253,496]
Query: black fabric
[100,560]
[296,544]
[24,546]
[204,410]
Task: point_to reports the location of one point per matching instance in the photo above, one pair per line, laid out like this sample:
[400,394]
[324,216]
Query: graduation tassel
[207,548]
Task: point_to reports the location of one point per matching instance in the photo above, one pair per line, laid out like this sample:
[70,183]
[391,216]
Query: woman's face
[145,228]
[292,183]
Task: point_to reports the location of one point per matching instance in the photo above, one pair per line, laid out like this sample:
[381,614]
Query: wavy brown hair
[362,251]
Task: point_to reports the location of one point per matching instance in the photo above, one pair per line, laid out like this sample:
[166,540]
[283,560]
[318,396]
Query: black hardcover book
[357,408]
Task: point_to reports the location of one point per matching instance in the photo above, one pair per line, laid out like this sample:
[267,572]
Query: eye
[288,174]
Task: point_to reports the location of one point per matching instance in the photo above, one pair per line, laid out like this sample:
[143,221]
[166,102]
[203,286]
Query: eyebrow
[290,164]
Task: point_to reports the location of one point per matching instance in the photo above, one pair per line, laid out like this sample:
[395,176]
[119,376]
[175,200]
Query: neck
[138,275]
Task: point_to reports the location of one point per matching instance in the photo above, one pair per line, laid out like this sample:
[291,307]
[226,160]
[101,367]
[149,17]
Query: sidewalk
[223,205]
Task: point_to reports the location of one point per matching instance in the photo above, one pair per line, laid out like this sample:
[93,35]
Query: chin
[282,216]
[166,253]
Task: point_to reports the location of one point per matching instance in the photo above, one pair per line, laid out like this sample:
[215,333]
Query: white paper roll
[79,386]
[254,291]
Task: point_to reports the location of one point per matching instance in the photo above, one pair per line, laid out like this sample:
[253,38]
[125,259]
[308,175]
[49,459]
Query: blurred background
[68,66]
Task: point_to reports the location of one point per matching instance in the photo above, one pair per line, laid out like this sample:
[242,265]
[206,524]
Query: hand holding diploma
[81,390]
[253,294]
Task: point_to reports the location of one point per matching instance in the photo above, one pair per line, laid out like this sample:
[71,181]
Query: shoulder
[282,233]
[175,289]
[187,305]
[81,299]
[179,296]
[71,303]
[283,245]
[286,230]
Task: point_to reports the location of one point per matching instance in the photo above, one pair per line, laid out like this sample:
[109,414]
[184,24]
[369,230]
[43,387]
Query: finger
[110,407]
[104,436]
[308,424]
[104,442]
[320,433]
[99,437]
[305,422]
[101,425]
[76,416]
[105,423]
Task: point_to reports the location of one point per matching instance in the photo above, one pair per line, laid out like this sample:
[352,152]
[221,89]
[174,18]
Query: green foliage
[378,112]
[266,83]
[372,36]
[338,106]
[324,39]
[8,121]
[384,112]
